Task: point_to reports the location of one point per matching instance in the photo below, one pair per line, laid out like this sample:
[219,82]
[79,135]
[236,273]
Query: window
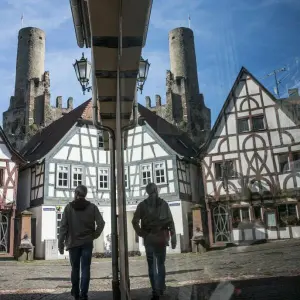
[288,162]
[243,125]
[240,215]
[296,160]
[226,167]
[283,163]
[160,172]
[58,221]
[258,123]
[257,212]
[126,178]
[100,141]
[77,176]
[286,210]
[2,177]
[218,171]
[62,176]
[103,178]
[146,174]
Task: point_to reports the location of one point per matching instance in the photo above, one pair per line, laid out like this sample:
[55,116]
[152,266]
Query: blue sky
[261,35]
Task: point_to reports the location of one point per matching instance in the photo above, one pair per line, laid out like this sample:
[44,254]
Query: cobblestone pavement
[50,279]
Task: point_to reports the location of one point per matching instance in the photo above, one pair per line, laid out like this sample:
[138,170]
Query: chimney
[158,100]
[293,93]
[70,103]
[148,102]
[59,102]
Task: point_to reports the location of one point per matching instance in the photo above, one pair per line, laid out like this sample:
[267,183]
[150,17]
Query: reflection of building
[251,165]
[185,105]
[30,107]
[70,151]
[10,161]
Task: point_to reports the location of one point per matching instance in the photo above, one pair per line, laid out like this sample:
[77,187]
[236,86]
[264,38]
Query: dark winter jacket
[156,222]
[78,224]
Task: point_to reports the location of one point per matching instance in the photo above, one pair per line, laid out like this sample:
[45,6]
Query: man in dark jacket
[77,233]
[156,227]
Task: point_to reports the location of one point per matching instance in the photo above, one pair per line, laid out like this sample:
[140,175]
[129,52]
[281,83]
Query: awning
[97,26]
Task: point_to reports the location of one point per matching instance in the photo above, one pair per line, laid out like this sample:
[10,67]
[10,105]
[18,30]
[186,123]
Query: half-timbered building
[70,152]
[251,166]
[10,160]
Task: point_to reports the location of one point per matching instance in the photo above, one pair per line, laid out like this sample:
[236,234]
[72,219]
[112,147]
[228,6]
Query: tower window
[40,38]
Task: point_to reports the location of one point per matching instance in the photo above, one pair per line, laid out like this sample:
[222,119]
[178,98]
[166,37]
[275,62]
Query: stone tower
[30,108]
[185,105]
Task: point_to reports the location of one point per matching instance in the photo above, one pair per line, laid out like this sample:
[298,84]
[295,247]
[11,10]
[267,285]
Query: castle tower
[30,60]
[184,104]
[30,107]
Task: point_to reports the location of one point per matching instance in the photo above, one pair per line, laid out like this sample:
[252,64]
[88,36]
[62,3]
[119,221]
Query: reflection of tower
[185,106]
[30,107]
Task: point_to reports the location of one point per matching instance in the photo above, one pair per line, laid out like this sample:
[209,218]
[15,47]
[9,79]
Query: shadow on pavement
[272,288]
[137,294]
[108,277]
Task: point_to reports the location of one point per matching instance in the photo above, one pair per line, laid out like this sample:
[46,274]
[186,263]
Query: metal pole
[114,222]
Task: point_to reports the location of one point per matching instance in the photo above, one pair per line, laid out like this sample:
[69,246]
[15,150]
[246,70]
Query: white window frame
[126,174]
[162,168]
[73,173]
[100,135]
[108,178]
[141,172]
[57,176]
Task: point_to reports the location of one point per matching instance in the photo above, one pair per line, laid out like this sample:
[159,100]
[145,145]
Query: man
[156,227]
[77,232]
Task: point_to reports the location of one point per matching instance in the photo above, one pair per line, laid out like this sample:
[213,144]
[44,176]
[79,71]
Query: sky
[261,35]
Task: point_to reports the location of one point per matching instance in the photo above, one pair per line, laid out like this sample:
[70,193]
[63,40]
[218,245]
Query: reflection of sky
[261,35]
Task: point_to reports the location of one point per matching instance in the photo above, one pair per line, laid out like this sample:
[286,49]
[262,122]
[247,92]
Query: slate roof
[44,141]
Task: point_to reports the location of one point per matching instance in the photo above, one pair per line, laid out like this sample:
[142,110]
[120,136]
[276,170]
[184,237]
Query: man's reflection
[156,227]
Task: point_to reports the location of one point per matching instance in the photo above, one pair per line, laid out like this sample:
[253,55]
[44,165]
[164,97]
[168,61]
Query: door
[221,224]
[4,229]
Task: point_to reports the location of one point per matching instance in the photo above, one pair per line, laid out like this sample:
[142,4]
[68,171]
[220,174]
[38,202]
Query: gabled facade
[10,160]
[156,151]
[251,167]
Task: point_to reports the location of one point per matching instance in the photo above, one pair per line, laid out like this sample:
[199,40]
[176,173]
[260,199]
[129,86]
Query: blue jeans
[156,257]
[81,255]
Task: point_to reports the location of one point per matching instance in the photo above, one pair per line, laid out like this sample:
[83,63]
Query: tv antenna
[277,82]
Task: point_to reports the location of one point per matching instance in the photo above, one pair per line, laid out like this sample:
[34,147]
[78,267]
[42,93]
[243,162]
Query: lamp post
[83,70]
[143,73]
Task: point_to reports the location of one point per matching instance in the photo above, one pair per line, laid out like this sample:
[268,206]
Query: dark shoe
[76,297]
[84,298]
[155,297]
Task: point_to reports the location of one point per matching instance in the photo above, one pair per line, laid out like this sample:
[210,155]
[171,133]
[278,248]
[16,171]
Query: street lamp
[83,70]
[143,73]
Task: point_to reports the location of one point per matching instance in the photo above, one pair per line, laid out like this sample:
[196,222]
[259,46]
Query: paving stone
[239,264]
